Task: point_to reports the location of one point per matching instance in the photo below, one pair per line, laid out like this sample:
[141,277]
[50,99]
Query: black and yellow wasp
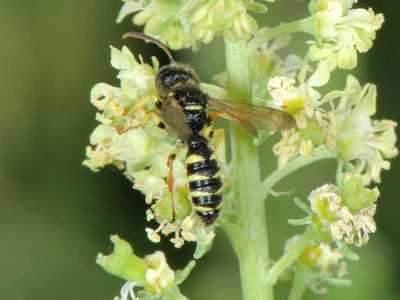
[183,108]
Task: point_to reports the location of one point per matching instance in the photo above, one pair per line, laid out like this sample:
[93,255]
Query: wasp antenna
[149,39]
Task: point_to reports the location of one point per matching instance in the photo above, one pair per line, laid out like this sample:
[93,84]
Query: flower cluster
[318,264]
[347,212]
[182,24]
[341,32]
[365,144]
[340,121]
[161,19]
[208,18]
[302,103]
[151,274]
[130,139]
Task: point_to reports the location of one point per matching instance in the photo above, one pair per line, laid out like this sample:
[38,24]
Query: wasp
[184,109]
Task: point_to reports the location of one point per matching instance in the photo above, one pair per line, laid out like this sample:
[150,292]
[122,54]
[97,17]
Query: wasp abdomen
[211,185]
[204,179]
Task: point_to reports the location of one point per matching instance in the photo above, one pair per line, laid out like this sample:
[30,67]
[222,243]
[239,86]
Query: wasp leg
[170,182]
[170,179]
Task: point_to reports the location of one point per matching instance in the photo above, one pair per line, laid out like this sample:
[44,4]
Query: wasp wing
[174,118]
[253,117]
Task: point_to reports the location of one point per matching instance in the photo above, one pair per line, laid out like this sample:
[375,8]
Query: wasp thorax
[197,142]
[170,76]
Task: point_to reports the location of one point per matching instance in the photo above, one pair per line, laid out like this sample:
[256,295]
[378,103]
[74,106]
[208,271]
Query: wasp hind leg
[170,179]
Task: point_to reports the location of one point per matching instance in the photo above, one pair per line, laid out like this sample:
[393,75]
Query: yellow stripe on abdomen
[194,158]
[200,194]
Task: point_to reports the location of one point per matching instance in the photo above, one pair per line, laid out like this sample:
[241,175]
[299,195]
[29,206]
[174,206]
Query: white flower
[325,202]
[153,235]
[160,19]
[302,103]
[332,207]
[159,275]
[208,18]
[186,227]
[331,261]
[366,142]
[341,32]
[320,258]
[354,229]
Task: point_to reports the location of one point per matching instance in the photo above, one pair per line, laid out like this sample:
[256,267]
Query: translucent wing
[252,117]
[174,118]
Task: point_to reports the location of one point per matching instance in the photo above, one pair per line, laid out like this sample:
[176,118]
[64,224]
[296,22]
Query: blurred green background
[55,215]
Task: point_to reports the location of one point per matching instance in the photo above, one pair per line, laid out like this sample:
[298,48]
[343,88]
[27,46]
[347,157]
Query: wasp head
[173,75]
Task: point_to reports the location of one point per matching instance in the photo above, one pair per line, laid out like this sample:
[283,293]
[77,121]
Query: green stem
[252,252]
[303,25]
[291,167]
[298,287]
[339,171]
[289,257]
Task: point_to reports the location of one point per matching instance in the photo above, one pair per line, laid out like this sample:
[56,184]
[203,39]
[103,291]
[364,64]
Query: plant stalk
[290,257]
[291,167]
[298,288]
[303,25]
[252,252]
